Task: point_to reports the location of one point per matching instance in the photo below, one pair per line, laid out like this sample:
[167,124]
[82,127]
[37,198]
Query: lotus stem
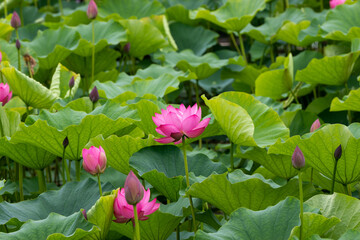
[41,180]
[65,168]
[61,8]
[242,47]
[232,156]
[35,3]
[321,5]
[311,175]
[333,178]
[198,103]
[235,43]
[286,5]
[178,232]
[100,190]
[29,67]
[349,190]
[93,54]
[136,225]
[21,181]
[5,9]
[78,169]
[301,196]
[8,163]
[19,60]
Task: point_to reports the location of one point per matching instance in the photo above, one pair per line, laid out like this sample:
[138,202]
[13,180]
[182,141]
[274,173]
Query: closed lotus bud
[18,44]
[316,125]
[85,214]
[298,159]
[15,20]
[127,48]
[71,82]
[66,142]
[338,153]
[94,95]
[94,160]
[134,190]
[92,10]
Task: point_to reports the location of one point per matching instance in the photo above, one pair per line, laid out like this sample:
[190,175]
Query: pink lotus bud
[5,93]
[92,10]
[85,214]
[175,123]
[134,190]
[94,95]
[94,160]
[334,3]
[127,48]
[18,44]
[71,82]
[338,153]
[298,159]
[316,125]
[15,20]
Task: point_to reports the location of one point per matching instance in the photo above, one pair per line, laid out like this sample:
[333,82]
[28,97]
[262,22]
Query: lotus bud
[134,190]
[85,214]
[5,93]
[316,125]
[15,20]
[0,57]
[298,159]
[338,153]
[65,142]
[127,48]
[18,44]
[94,95]
[94,160]
[92,10]
[71,82]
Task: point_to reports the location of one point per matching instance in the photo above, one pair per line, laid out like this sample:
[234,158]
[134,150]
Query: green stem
[100,190]
[321,5]
[242,48]
[311,175]
[61,8]
[235,43]
[93,53]
[232,156]
[19,62]
[136,226]
[295,97]
[178,232]
[41,180]
[65,168]
[333,178]
[8,164]
[286,5]
[48,3]
[198,103]
[78,170]
[5,9]
[30,72]
[301,195]
[35,3]
[21,12]
[1,77]
[348,187]
[21,181]
[314,92]
[48,174]
[272,57]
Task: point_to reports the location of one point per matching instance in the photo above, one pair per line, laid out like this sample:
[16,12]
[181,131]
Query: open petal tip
[165,140]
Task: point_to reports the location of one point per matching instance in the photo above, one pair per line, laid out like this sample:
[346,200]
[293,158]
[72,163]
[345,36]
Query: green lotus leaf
[156,71]
[60,82]
[120,149]
[318,149]
[247,75]
[203,66]
[333,70]
[196,38]
[9,121]
[244,123]
[83,104]
[163,168]
[272,223]
[82,194]
[131,8]
[349,102]
[229,191]
[144,38]
[234,15]
[350,234]
[275,83]
[342,23]
[53,46]
[48,130]
[54,227]
[5,28]
[101,215]
[278,164]
[344,207]
[106,33]
[29,90]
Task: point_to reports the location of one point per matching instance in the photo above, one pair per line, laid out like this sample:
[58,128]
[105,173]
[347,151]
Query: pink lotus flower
[5,93]
[334,3]
[92,10]
[0,57]
[316,125]
[124,212]
[94,160]
[174,123]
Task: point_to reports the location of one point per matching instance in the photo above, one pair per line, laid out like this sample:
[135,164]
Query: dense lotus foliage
[174,119]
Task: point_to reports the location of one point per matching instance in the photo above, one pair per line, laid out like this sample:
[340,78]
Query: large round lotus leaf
[48,130]
[60,82]
[80,194]
[349,102]
[234,15]
[144,38]
[203,66]
[5,28]
[53,46]
[131,8]
[156,71]
[83,104]
[318,149]
[229,191]
[119,149]
[29,90]
[245,120]
[106,33]
[344,207]
[333,70]
[196,38]
[272,223]
[163,168]
[343,23]
[55,227]
[9,121]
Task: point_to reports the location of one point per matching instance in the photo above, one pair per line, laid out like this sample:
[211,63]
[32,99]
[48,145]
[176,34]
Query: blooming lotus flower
[316,125]
[124,212]
[174,123]
[92,10]
[5,93]
[298,159]
[94,160]
[134,190]
[334,3]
